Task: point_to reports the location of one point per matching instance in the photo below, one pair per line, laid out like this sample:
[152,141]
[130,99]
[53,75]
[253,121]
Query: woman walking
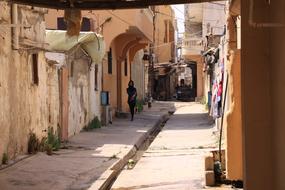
[132,96]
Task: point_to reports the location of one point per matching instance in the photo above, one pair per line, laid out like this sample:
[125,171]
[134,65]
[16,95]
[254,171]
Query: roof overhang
[102,4]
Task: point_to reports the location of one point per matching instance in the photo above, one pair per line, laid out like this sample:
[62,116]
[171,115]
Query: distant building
[164,52]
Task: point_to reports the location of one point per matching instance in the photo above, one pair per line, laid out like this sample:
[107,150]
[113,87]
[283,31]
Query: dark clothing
[132,94]
[132,97]
[132,109]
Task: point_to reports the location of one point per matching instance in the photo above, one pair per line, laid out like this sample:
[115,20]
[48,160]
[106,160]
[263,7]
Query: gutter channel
[137,152]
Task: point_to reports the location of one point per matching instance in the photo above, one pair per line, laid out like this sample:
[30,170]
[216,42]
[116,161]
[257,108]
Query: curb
[17,160]
[104,181]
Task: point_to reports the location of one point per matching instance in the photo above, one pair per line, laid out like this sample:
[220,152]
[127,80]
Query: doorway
[187,85]
[193,91]
[64,105]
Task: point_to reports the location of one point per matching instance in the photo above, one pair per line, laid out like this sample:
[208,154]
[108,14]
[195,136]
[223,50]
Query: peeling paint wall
[25,105]
[78,92]
[95,95]
[84,100]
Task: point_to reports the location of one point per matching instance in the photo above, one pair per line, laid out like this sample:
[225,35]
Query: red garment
[220,90]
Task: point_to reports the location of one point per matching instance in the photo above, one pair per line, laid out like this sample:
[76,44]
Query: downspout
[15,29]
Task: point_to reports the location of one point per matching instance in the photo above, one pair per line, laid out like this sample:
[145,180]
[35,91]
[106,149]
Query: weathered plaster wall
[53,96]
[78,92]
[24,106]
[94,95]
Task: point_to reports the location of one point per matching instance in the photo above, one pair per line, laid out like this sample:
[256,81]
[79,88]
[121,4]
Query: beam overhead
[102,4]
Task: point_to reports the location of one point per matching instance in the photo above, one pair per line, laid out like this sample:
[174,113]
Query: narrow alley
[142,94]
[175,159]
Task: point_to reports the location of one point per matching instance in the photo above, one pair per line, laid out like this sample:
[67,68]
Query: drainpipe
[15,29]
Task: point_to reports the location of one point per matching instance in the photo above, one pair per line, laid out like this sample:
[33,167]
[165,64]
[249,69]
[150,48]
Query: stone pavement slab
[89,160]
[175,159]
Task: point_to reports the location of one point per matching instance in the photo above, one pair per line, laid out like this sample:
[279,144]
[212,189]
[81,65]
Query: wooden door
[64,104]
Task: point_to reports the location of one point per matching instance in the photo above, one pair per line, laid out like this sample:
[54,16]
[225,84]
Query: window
[61,25]
[110,61]
[126,67]
[35,75]
[96,78]
[85,24]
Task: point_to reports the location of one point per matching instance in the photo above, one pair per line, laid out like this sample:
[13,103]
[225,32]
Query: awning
[91,42]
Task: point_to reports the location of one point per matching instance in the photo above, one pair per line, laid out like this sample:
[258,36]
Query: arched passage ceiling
[102,4]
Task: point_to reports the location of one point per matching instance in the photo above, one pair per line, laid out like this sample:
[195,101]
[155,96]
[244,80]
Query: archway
[123,49]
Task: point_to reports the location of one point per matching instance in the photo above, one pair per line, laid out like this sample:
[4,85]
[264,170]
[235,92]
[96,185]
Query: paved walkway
[88,160]
[175,159]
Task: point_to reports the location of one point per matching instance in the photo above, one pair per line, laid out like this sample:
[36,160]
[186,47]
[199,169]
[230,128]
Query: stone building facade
[28,85]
